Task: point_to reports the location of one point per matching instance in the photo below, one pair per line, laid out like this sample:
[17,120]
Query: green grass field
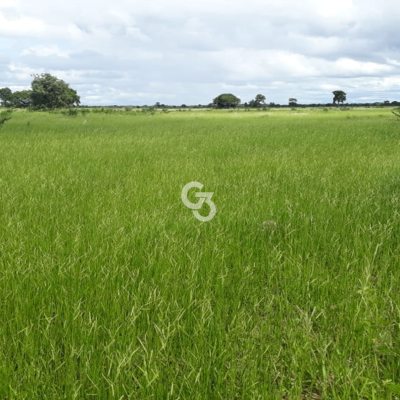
[111,289]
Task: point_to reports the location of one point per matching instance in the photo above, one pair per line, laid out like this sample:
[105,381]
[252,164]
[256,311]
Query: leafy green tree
[5,96]
[339,96]
[21,99]
[51,92]
[292,102]
[226,100]
[258,101]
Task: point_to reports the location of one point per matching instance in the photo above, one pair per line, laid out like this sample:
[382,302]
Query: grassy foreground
[111,289]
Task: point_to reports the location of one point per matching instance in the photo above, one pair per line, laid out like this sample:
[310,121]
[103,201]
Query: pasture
[111,289]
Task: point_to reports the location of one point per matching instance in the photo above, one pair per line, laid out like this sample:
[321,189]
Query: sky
[131,52]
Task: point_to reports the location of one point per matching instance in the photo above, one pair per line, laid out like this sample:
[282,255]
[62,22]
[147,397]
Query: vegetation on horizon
[49,92]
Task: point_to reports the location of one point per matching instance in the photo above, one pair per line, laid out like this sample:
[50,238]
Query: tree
[258,101]
[5,96]
[292,102]
[339,96]
[226,100]
[51,92]
[21,99]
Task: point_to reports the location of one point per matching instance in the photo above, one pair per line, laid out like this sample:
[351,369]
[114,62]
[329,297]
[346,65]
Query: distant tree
[5,96]
[258,101]
[21,99]
[339,96]
[226,100]
[292,101]
[51,92]
[260,98]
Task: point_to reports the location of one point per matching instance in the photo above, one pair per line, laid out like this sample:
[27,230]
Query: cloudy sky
[189,51]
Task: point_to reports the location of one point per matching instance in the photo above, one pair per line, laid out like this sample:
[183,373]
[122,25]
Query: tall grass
[110,288]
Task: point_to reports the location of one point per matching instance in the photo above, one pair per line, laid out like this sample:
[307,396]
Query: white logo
[204,197]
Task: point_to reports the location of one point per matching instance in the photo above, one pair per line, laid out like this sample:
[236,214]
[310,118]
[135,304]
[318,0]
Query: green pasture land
[110,288]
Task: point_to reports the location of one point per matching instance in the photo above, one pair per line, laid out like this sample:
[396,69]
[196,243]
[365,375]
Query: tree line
[228,100]
[49,92]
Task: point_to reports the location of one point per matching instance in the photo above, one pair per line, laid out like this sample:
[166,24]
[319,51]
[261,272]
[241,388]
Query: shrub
[71,112]
[85,111]
[148,110]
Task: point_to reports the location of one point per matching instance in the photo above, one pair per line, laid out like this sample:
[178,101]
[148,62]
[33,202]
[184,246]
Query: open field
[111,289]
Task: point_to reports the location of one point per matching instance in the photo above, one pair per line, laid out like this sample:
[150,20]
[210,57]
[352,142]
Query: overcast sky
[189,51]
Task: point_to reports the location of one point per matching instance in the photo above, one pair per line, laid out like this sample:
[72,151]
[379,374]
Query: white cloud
[349,67]
[329,8]
[21,26]
[9,3]
[393,62]
[45,51]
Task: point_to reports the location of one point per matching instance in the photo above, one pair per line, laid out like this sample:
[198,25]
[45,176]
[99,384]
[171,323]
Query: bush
[85,111]
[71,112]
[148,110]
